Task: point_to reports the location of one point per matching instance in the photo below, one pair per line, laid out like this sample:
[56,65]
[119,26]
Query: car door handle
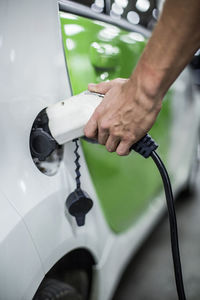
[104,56]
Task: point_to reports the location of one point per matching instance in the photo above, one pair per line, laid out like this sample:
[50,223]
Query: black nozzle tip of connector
[42,144]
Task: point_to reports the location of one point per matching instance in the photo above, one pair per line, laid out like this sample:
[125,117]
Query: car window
[142,12]
[84,2]
[96,5]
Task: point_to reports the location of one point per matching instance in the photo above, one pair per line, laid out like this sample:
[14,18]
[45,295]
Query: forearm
[171,47]
[130,107]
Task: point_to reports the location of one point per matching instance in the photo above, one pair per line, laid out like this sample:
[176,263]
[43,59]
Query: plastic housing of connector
[67,118]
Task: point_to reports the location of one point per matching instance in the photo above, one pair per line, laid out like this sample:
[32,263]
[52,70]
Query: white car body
[36,231]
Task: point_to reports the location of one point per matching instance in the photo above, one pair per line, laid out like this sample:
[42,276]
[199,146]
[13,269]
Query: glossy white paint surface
[21,269]
[36,231]
[33,76]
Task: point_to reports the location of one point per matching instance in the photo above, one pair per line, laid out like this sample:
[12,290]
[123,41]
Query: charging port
[45,151]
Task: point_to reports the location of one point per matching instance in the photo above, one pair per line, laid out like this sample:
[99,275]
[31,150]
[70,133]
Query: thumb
[102,87]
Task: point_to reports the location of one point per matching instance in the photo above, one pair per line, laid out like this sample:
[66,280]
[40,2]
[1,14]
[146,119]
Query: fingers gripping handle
[68,118]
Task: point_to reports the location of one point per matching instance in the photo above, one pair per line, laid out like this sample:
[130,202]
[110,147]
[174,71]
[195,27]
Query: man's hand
[130,107]
[125,115]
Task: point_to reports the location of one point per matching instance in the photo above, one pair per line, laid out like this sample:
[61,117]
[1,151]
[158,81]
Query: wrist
[143,92]
[150,81]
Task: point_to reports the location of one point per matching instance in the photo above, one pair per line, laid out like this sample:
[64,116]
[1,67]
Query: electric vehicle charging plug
[61,122]
[67,118]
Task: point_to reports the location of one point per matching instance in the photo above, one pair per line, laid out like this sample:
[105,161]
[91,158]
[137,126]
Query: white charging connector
[67,118]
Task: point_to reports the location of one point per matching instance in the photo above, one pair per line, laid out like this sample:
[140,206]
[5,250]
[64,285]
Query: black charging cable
[146,147]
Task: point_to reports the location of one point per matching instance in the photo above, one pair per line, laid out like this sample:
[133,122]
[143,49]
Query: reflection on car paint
[105,52]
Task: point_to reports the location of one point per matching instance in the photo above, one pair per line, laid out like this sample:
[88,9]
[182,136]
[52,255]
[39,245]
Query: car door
[101,47]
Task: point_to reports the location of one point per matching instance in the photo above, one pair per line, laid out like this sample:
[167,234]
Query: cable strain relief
[145,146]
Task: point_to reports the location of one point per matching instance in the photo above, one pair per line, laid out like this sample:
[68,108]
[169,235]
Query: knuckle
[129,138]
[115,135]
[104,125]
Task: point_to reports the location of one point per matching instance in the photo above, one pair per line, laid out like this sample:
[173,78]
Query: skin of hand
[124,116]
[130,106]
